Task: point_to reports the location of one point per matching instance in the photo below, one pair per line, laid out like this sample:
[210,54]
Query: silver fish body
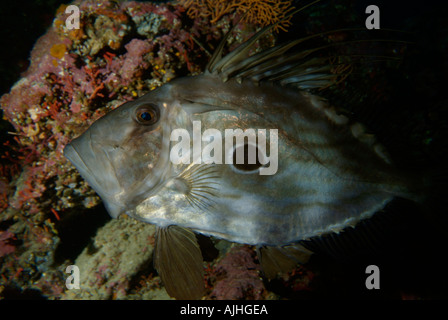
[329,174]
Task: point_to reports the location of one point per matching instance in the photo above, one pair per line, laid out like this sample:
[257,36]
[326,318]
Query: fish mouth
[95,167]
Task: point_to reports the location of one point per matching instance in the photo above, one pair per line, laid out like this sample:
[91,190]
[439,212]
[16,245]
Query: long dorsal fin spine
[217,63]
[272,66]
[217,55]
[274,51]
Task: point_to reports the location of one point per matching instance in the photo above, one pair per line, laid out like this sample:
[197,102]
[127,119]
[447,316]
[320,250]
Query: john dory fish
[331,174]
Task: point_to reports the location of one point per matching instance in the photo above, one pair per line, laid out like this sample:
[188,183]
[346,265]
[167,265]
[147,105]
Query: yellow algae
[58,50]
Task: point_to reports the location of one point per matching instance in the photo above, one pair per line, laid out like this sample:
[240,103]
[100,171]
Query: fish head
[124,155]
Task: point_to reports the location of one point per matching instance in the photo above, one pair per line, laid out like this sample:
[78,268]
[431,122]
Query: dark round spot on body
[245,165]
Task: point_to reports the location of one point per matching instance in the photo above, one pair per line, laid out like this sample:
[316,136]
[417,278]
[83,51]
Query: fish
[161,159]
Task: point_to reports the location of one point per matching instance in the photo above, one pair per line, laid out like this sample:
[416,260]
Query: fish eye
[147,114]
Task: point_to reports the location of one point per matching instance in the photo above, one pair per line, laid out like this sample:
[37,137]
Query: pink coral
[237,276]
[127,67]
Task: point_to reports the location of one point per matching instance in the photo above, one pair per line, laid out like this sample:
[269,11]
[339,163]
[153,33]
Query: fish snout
[96,168]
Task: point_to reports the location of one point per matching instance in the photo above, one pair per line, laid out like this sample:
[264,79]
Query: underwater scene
[224,150]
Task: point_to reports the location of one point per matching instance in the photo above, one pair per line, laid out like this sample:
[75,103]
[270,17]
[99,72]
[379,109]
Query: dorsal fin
[287,64]
[218,63]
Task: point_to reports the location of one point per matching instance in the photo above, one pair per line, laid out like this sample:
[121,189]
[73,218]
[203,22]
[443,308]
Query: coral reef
[109,264]
[237,276]
[121,51]
[5,246]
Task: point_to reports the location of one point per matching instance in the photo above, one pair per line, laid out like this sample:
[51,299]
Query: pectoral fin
[275,260]
[178,260]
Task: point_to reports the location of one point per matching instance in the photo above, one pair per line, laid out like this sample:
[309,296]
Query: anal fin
[178,260]
[275,260]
